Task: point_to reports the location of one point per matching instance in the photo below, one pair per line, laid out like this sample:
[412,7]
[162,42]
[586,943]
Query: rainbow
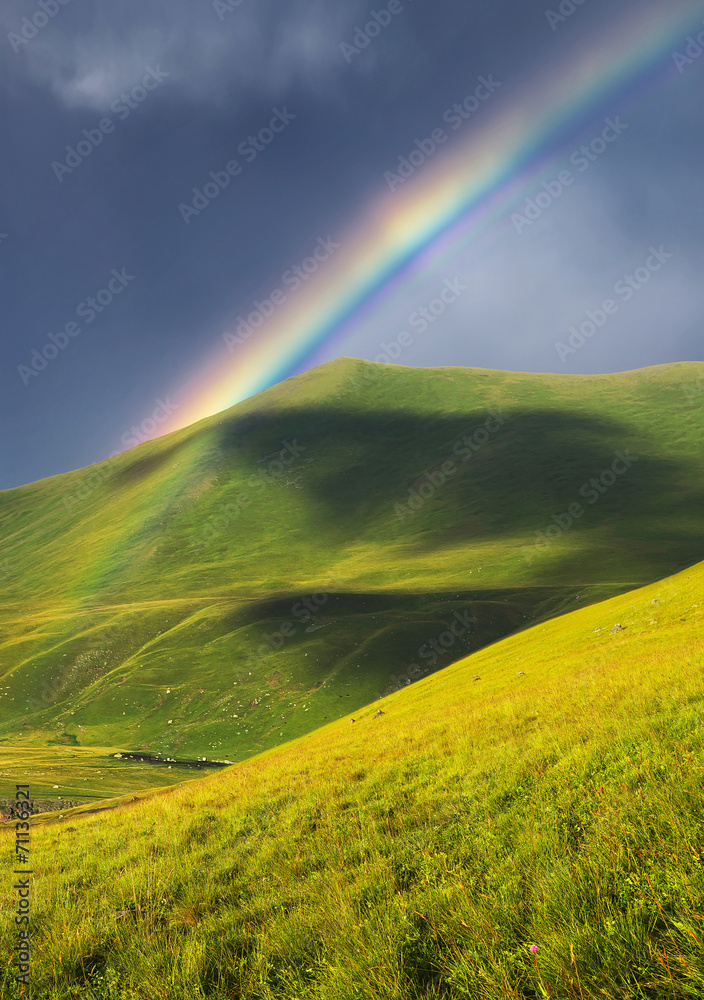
[462,191]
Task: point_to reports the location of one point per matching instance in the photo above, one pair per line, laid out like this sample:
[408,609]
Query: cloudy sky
[113,293]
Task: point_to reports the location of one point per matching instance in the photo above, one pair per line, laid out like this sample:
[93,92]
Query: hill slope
[545,791]
[242,581]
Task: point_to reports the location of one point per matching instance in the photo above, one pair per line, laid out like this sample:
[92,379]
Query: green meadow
[543,792]
[443,626]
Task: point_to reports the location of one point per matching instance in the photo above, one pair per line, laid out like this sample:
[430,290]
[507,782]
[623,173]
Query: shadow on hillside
[519,606]
[368,637]
[369,471]
[142,467]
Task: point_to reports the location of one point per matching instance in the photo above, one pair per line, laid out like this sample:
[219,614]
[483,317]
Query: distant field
[81,775]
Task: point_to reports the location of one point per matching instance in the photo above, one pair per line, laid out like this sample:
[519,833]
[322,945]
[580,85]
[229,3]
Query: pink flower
[534,948]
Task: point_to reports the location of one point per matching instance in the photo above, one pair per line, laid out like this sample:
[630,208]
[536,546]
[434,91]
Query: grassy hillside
[546,791]
[247,579]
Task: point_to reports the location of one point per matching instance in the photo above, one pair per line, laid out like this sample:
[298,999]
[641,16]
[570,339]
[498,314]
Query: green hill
[245,580]
[545,793]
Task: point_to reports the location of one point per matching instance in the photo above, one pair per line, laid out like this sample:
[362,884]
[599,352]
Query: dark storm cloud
[86,57]
[82,199]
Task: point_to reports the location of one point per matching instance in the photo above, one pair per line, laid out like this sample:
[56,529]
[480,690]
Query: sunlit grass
[555,801]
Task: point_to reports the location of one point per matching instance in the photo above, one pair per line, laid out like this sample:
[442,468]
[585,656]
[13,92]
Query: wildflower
[534,948]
